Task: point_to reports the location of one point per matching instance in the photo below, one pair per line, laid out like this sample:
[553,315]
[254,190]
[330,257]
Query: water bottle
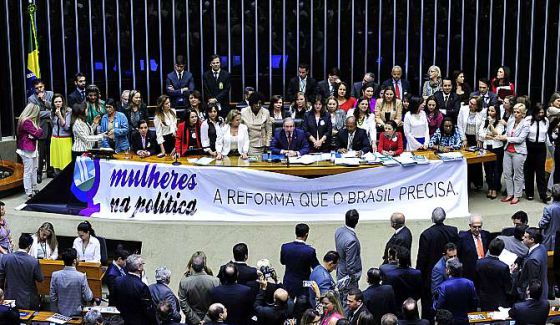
[333,156]
[269,155]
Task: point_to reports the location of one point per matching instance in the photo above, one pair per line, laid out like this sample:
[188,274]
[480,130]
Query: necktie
[83,95]
[350,140]
[479,248]
[302,85]
[181,76]
[331,88]
[216,75]
[445,100]
[289,140]
[397,90]
[143,142]
[122,272]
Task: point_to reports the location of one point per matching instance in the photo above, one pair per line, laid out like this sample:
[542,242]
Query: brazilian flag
[33,69]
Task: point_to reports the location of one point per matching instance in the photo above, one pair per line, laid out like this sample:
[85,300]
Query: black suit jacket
[492,98]
[380,300]
[353,317]
[405,85]
[360,141]
[530,312]
[452,106]
[247,275]
[323,89]
[414,322]
[406,282]
[430,248]
[293,88]
[110,278]
[323,128]
[134,301]
[271,314]
[212,89]
[300,259]
[493,283]
[151,144]
[238,299]
[466,251]
[403,239]
[357,89]
[75,98]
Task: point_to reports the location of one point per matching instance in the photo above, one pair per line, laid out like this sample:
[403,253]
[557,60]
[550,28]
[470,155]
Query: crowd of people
[325,116]
[456,272]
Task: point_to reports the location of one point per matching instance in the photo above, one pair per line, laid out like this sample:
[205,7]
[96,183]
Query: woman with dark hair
[165,122]
[460,87]
[553,110]
[318,127]
[338,119]
[299,107]
[365,120]
[345,101]
[537,142]
[276,108]
[433,115]
[45,245]
[211,129]
[366,318]
[196,104]
[188,140]
[61,139]
[390,141]
[136,110]
[388,108]
[506,109]
[415,125]
[257,120]
[310,317]
[84,134]
[95,106]
[115,124]
[368,92]
[501,84]
[447,138]
[87,246]
[487,134]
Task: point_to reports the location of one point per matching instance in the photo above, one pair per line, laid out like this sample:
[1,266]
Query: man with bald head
[217,314]
[402,236]
[472,246]
[352,138]
[237,298]
[401,86]
[278,312]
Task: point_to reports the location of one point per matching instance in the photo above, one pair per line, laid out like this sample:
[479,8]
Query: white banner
[118,189]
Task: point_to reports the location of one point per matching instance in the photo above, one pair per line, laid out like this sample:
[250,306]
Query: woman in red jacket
[188,140]
[390,141]
[28,131]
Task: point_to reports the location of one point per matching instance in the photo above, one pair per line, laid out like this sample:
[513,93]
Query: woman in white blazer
[468,123]
[234,137]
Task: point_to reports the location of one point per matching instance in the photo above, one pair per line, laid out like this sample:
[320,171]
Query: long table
[317,169]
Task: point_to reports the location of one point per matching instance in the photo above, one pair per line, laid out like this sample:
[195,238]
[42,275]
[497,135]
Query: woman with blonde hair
[165,122]
[433,84]
[234,138]
[28,131]
[45,245]
[332,309]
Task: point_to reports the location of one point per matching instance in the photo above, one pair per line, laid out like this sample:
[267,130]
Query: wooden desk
[92,270]
[488,319]
[28,315]
[42,316]
[317,169]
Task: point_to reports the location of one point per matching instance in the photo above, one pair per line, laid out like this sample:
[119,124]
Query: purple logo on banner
[86,183]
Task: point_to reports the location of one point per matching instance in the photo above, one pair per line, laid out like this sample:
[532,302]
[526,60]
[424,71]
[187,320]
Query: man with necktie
[488,97]
[303,82]
[78,96]
[472,246]
[289,141]
[329,86]
[144,142]
[217,84]
[402,86]
[115,270]
[179,83]
[448,101]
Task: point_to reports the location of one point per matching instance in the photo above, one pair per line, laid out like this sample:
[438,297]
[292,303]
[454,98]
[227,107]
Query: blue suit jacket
[530,312]
[110,278]
[238,299]
[380,300]
[299,259]
[493,283]
[534,267]
[280,142]
[179,98]
[492,98]
[466,251]
[349,249]
[324,281]
[438,275]
[550,223]
[406,282]
[134,301]
[458,295]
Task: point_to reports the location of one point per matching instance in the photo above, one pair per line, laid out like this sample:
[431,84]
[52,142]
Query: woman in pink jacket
[28,131]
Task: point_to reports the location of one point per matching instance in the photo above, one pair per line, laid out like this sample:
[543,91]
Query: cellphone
[307,284]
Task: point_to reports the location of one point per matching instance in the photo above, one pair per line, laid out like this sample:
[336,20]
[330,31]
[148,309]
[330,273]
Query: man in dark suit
[20,271]
[439,272]
[472,246]
[289,141]
[369,77]
[299,259]
[78,96]
[518,218]
[406,281]
[534,265]
[352,138]
[328,87]
[8,314]
[349,249]
[431,246]
[144,142]
[217,84]
[179,83]
[43,99]
[402,236]
[237,298]
[493,279]
[161,292]
[278,312]
[301,83]
[115,270]
[246,275]
[456,294]
[217,314]
[392,260]
[534,310]
[132,297]
[487,97]
[379,298]
[356,305]
[402,86]
[447,100]
[410,314]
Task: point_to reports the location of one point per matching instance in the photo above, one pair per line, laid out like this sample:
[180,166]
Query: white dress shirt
[91,253]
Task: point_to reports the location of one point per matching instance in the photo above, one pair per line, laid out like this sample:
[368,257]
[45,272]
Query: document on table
[501,314]
[204,161]
[450,156]
[347,161]
[304,160]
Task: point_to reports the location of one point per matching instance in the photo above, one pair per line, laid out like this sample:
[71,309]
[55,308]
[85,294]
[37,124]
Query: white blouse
[42,250]
[416,126]
[91,253]
[170,126]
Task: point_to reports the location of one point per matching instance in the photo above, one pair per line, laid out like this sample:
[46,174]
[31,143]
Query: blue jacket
[530,312]
[110,277]
[134,301]
[299,259]
[179,98]
[406,282]
[280,142]
[120,126]
[324,281]
[438,275]
[458,295]
[550,223]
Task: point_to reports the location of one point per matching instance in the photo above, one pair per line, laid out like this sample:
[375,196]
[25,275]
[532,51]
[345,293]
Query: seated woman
[317,126]
[387,108]
[390,142]
[187,141]
[44,245]
[87,246]
[433,114]
[447,138]
[234,138]
[299,106]
[338,118]
[277,112]
[115,124]
[345,102]
[211,129]
[136,110]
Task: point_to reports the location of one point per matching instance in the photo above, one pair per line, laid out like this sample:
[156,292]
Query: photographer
[281,308]
[267,273]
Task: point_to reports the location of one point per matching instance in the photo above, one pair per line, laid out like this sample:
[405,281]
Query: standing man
[132,296]
[179,83]
[356,306]
[402,86]
[43,99]
[431,246]
[217,84]
[161,292]
[439,273]
[534,310]
[69,288]
[115,270]
[379,298]
[369,77]
[299,259]
[402,236]
[328,87]
[488,98]
[473,245]
[447,100]
[237,298]
[301,83]
[534,265]
[493,279]
[550,222]
[321,274]
[20,272]
[78,96]
[348,248]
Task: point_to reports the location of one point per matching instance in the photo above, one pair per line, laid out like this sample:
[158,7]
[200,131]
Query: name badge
[116,124]
[194,135]
[322,123]
[221,85]
[148,145]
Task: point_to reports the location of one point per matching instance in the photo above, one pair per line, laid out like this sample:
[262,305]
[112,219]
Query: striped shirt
[84,137]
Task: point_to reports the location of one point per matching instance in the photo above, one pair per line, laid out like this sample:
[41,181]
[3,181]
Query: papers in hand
[450,156]
[507,257]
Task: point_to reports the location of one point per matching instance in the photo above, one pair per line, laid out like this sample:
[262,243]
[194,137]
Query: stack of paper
[303,160]
[450,156]
[204,161]
[405,160]
[507,257]
[421,160]
[347,161]
[502,314]
[372,158]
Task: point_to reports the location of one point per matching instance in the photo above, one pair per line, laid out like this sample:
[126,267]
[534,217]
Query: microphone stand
[177,162]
